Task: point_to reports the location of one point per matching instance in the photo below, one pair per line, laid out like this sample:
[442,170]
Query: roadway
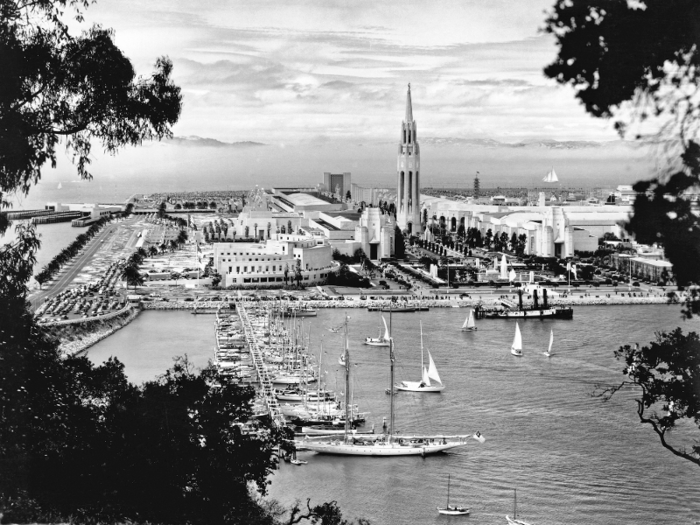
[73,268]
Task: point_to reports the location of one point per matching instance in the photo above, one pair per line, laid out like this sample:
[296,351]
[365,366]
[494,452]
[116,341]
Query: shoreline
[211,306]
[80,346]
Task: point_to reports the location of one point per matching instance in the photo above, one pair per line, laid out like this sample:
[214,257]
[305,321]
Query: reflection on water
[573,458]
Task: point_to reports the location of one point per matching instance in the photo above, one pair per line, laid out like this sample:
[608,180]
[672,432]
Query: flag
[568,266]
[479,437]
[573,269]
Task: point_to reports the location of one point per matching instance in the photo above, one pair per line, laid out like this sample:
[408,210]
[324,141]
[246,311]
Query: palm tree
[173,245]
[152,251]
[132,275]
[181,237]
[163,247]
[176,276]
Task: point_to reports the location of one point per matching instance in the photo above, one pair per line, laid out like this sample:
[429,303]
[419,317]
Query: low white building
[263,263]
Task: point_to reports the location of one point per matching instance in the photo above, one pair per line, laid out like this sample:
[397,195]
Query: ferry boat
[510,310]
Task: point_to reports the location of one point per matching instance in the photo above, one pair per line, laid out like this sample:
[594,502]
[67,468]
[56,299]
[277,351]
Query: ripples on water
[573,458]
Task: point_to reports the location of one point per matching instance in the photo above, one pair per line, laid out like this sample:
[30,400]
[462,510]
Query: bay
[572,457]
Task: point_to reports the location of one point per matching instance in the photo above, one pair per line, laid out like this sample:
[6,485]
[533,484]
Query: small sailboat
[551,176]
[424,385]
[60,186]
[469,325]
[380,340]
[452,510]
[517,347]
[514,520]
[548,353]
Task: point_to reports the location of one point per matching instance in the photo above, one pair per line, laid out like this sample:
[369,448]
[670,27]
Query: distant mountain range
[529,144]
[194,141]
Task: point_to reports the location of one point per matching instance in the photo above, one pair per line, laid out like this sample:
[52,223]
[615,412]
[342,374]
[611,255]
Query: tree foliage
[640,63]
[668,374]
[79,88]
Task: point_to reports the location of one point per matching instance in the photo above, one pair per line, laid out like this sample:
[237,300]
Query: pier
[266,387]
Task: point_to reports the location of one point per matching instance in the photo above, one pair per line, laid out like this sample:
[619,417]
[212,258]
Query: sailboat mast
[515,503]
[318,386]
[448,492]
[391,382]
[421,348]
[347,382]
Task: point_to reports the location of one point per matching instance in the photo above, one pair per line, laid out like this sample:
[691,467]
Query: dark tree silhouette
[79,88]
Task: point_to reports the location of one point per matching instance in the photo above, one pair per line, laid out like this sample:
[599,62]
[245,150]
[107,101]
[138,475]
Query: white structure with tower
[408,178]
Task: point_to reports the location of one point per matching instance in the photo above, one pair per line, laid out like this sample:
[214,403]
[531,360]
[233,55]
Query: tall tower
[407,171]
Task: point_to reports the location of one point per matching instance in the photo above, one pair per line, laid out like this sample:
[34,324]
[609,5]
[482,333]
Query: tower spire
[409,106]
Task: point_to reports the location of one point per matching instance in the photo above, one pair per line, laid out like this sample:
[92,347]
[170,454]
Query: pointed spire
[409,106]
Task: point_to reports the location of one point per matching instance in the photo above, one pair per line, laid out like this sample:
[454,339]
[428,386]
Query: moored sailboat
[469,324]
[386,444]
[514,520]
[517,347]
[424,385]
[452,510]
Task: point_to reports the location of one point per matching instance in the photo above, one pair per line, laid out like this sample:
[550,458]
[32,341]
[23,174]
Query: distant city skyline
[321,71]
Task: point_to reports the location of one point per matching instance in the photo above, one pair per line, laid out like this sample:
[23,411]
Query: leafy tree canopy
[668,374]
[79,88]
[639,61]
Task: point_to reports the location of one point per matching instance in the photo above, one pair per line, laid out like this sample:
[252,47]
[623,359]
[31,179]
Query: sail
[470,320]
[551,176]
[504,267]
[466,320]
[426,377]
[432,370]
[386,330]
[517,340]
[551,340]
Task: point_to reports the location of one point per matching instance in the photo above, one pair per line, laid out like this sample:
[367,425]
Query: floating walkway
[267,389]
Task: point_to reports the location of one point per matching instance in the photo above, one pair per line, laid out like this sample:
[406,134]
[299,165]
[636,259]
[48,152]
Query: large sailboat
[469,324]
[517,347]
[424,385]
[387,443]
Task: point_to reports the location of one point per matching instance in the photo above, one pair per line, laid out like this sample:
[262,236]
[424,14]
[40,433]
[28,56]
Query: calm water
[573,458]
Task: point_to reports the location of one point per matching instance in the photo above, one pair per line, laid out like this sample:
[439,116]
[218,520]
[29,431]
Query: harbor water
[573,458]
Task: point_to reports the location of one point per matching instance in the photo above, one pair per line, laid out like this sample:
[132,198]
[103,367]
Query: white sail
[466,320]
[517,345]
[386,330]
[470,321]
[504,267]
[551,340]
[551,176]
[426,377]
[432,369]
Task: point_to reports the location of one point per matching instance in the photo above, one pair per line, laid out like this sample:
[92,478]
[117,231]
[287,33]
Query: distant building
[339,183]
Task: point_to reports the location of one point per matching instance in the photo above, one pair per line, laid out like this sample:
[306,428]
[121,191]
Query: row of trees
[199,205]
[70,251]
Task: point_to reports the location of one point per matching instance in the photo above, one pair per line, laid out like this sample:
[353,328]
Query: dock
[267,389]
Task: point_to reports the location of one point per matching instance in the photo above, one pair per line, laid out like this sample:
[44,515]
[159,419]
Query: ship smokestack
[534,298]
[544,297]
[520,299]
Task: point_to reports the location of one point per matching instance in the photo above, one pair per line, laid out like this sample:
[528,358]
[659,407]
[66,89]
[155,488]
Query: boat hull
[512,521]
[453,512]
[409,386]
[548,313]
[379,449]
[469,329]
[516,353]
[374,342]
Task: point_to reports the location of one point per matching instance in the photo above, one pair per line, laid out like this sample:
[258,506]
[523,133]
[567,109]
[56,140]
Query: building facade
[408,174]
[274,261]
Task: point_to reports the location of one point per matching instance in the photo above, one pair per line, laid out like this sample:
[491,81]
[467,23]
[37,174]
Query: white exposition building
[408,174]
[264,263]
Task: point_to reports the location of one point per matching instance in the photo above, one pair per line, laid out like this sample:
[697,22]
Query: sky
[322,85]
[284,72]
